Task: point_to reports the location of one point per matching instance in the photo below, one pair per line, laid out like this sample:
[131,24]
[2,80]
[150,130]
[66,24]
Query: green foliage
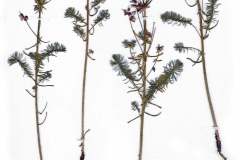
[51,49]
[18,58]
[40,5]
[97,2]
[210,12]
[171,72]
[72,13]
[129,44]
[80,32]
[45,76]
[121,66]
[174,18]
[181,48]
[135,106]
[103,16]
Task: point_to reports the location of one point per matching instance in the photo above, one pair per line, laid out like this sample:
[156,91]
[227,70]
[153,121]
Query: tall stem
[144,90]
[36,87]
[84,78]
[217,136]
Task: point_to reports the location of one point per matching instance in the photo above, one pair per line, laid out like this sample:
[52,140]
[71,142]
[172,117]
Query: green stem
[36,87]
[144,91]
[84,79]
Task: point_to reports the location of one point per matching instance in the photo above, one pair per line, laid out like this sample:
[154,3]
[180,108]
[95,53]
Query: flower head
[159,48]
[22,17]
[132,19]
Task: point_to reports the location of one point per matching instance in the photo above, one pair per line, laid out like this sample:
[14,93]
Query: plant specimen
[79,24]
[139,77]
[38,75]
[207,21]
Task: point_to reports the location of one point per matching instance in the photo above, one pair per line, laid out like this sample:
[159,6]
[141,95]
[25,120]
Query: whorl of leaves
[80,32]
[129,44]
[103,15]
[121,66]
[17,57]
[40,5]
[44,76]
[181,48]
[211,7]
[97,2]
[54,48]
[174,18]
[72,13]
[144,38]
[49,51]
[171,72]
[135,106]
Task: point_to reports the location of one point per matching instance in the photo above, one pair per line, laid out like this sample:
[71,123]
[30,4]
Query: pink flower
[132,19]
[159,48]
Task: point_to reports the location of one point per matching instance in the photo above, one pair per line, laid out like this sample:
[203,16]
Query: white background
[182,132]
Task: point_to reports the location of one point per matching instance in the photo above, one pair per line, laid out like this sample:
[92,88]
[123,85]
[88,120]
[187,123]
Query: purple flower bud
[132,19]
[25,18]
[133,13]
[35,7]
[21,16]
[153,68]
[133,1]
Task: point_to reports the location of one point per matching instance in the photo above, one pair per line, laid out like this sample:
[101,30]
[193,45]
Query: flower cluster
[22,17]
[130,14]
[139,5]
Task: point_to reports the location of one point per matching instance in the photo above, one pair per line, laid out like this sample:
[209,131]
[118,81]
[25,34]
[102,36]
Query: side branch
[43,120]
[191,5]
[43,109]
[30,93]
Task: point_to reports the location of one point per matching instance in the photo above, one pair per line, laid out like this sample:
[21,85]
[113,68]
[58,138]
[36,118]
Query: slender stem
[217,136]
[144,90]
[36,87]
[84,78]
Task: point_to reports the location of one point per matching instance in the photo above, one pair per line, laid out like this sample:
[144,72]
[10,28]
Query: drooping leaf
[103,16]
[171,72]
[17,57]
[80,32]
[72,13]
[174,18]
[121,66]
[129,44]
[211,11]
[181,48]
[95,3]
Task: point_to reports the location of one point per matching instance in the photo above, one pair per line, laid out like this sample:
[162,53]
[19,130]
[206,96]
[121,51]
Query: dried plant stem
[84,79]
[36,87]
[144,91]
[206,81]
